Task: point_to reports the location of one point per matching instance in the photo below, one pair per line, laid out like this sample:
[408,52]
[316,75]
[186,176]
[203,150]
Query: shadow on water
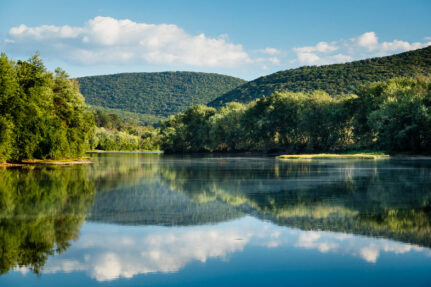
[42,209]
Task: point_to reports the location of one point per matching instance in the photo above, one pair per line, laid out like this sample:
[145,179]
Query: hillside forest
[44,116]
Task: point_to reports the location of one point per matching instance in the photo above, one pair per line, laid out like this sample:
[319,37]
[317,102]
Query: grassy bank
[372,156]
[66,161]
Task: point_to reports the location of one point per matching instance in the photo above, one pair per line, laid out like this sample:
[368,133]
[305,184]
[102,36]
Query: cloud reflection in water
[107,252]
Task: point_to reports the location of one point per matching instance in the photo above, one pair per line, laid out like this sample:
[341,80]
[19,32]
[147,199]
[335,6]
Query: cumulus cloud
[269,51]
[322,47]
[45,32]
[363,46]
[397,45]
[368,40]
[307,58]
[108,40]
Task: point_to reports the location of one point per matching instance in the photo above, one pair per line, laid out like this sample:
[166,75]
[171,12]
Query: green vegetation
[133,118]
[41,212]
[42,115]
[332,156]
[333,79]
[115,134]
[393,116]
[159,94]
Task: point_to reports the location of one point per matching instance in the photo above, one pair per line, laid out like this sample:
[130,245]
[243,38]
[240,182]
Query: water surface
[161,220]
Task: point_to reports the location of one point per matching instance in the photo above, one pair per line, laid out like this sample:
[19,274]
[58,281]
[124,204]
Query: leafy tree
[402,121]
[393,115]
[42,115]
[226,133]
[188,131]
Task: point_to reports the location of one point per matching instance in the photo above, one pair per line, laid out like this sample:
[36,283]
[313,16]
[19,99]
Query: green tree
[42,115]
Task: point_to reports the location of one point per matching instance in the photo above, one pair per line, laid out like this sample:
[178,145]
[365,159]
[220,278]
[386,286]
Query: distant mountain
[160,94]
[334,79]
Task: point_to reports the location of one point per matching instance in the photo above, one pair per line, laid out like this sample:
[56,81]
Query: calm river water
[135,219]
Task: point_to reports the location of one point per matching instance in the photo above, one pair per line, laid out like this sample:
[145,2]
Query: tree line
[43,115]
[392,115]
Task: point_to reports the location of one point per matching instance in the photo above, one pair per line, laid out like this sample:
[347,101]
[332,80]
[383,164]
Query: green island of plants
[372,156]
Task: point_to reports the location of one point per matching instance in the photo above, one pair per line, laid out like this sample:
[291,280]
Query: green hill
[160,94]
[333,79]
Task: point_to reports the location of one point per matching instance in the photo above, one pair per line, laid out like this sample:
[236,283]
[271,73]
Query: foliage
[393,115]
[332,156]
[42,115]
[137,119]
[333,79]
[188,131]
[285,121]
[160,94]
[403,120]
[115,134]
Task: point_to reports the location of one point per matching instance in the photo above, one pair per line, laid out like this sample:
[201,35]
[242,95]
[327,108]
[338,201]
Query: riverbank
[125,151]
[35,162]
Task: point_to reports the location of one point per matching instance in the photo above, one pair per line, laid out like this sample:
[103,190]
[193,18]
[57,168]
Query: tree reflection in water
[42,209]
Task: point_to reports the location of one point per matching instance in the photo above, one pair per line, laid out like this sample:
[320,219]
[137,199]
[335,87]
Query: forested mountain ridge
[160,94]
[333,79]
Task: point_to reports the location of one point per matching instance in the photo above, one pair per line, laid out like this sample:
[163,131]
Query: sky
[245,39]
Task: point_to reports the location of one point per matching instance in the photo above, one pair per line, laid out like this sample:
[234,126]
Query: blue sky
[240,38]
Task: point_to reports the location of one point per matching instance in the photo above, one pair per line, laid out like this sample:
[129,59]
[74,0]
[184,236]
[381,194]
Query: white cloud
[397,45]
[274,60]
[107,40]
[269,51]
[340,58]
[368,40]
[307,58]
[322,47]
[365,45]
[45,32]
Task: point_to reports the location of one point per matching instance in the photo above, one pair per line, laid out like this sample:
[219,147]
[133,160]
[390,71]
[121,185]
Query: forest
[334,79]
[44,116]
[157,94]
[392,116]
